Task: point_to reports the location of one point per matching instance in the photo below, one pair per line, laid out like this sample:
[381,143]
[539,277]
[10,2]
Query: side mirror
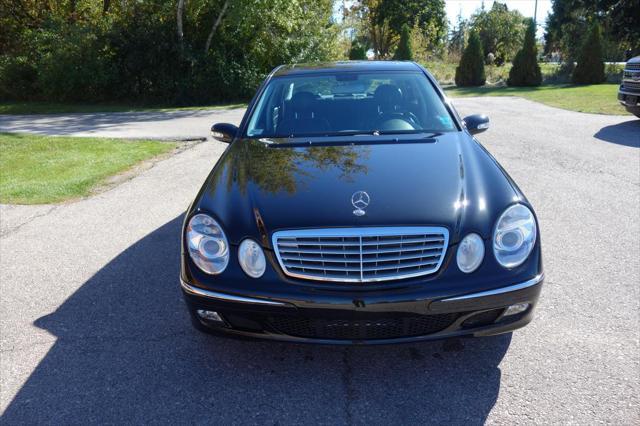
[224,132]
[476,123]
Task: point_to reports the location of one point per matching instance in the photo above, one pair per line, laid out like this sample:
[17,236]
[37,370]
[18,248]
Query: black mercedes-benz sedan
[354,206]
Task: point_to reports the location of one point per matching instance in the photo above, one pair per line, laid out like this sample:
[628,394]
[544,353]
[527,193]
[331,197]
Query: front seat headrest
[303,104]
[388,97]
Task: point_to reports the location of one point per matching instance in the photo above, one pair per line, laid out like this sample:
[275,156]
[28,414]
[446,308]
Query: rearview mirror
[476,123]
[224,132]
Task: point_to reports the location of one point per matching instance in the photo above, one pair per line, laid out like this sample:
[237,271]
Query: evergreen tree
[458,36]
[470,72]
[590,67]
[404,51]
[525,70]
[357,52]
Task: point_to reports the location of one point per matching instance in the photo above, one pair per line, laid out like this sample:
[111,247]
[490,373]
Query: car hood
[261,186]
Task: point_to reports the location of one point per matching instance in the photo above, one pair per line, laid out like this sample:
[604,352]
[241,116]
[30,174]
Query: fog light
[209,315]
[516,309]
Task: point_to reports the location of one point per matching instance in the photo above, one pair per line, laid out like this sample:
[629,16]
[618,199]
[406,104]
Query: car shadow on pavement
[626,133]
[126,353]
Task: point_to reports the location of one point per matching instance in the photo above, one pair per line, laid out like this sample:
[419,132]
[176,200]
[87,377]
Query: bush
[525,70]
[357,52]
[132,54]
[470,72]
[18,77]
[404,51]
[590,67]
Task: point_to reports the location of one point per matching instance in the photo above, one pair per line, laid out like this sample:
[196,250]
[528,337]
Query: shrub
[470,72]
[404,51]
[525,70]
[18,78]
[357,52]
[590,67]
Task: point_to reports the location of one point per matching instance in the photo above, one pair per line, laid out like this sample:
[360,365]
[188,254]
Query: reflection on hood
[276,169]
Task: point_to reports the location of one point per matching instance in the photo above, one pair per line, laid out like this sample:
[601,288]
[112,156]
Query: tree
[525,70]
[470,72]
[159,51]
[404,51]
[215,25]
[458,36]
[179,29]
[590,67]
[357,52]
[382,22]
[500,31]
[569,20]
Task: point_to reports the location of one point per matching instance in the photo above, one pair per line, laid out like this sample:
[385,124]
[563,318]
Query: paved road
[93,327]
[160,124]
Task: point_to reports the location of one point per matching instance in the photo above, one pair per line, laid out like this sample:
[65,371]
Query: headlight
[470,253]
[251,258]
[515,236]
[207,244]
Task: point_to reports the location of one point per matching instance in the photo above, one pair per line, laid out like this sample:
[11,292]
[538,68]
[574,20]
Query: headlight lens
[207,244]
[470,253]
[251,258]
[515,236]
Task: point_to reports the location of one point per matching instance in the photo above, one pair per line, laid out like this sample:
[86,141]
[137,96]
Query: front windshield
[347,103]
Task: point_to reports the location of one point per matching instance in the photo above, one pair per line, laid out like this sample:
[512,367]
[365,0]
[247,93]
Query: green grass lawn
[597,98]
[43,169]
[62,108]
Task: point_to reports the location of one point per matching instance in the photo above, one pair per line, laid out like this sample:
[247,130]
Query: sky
[526,7]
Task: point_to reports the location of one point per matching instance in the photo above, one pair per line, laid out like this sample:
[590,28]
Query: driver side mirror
[224,132]
[476,123]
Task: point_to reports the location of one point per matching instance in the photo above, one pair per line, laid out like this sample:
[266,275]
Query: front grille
[362,329]
[361,254]
[631,86]
[632,66]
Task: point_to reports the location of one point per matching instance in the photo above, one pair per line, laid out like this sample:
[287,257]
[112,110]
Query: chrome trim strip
[530,283]
[624,92]
[195,291]
[355,233]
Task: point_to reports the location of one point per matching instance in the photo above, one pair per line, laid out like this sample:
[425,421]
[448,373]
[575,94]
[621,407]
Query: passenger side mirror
[476,123]
[224,132]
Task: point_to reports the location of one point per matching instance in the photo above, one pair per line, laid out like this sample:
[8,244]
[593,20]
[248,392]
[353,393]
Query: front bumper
[367,320]
[628,99]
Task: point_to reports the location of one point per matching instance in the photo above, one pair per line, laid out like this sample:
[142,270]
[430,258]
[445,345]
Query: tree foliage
[458,36]
[470,72]
[357,52]
[404,51]
[590,67]
[569,20]
[84,50]
[382,22]
[500,30]
[525,70]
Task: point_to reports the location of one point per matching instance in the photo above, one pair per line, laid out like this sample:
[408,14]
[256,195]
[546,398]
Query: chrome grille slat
[286,258]
[394,250]
[324,268]
[401,241]
[361,254]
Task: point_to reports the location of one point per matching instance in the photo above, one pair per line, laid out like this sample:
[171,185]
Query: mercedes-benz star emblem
[360,201]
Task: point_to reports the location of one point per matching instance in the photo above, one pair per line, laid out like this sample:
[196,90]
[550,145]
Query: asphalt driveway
[94,328]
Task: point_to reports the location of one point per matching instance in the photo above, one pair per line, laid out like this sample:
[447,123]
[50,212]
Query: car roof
[329,67]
